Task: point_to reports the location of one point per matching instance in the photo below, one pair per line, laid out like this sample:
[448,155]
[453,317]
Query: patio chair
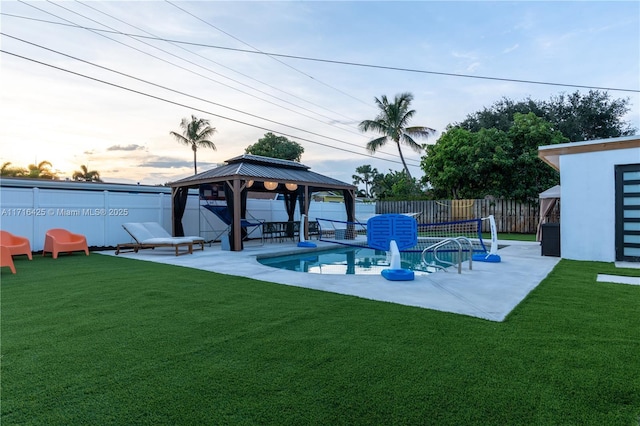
[16,245]
[6,259]
[146,239]
[60,240]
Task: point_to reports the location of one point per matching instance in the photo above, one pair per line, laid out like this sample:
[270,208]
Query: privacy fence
[510,216]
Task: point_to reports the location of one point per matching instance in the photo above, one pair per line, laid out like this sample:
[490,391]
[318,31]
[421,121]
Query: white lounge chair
[159,232]
[145,238]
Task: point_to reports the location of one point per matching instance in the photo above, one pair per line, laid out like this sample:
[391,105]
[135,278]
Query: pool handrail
[434,248]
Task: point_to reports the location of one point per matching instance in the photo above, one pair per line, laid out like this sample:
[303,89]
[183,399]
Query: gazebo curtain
[290,206]
[546,206]
[179,206]
[350,206]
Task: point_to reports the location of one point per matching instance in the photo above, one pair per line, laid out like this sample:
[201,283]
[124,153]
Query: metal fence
[510,216]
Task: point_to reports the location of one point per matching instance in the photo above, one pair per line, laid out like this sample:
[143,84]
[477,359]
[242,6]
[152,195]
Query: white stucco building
[600,193]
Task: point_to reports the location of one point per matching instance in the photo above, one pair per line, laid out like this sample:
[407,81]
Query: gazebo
[258,174]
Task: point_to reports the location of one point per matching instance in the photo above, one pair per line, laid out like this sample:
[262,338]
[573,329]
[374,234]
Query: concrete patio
[490,291]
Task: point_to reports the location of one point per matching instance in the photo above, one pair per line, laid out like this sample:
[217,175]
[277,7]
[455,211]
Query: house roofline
[550,154]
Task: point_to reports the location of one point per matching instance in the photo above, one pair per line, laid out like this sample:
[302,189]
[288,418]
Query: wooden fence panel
[510,216]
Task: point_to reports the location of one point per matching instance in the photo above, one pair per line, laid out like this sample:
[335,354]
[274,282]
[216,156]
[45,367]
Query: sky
[80,86]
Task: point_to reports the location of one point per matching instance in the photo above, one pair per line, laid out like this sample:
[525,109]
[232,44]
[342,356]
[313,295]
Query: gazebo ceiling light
[249,183]
[271,185]
[291,186]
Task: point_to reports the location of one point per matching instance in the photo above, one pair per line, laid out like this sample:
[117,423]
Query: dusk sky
[208,59]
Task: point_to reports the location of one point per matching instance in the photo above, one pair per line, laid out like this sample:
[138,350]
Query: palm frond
[374,145]
[373,125]
[408,141]
[180,138]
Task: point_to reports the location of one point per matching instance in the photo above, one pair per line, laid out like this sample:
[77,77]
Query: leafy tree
[392,121]
[397,186]
[365,174]
[42,170]
[274,146]
[528,176]
[467,164]
[195,133]
[588,117]
[579,117]
[12,171]
[84,174]
[464,164]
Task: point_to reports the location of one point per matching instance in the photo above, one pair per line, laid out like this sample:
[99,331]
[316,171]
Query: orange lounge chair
[6,259]
[60,240]
[16,245]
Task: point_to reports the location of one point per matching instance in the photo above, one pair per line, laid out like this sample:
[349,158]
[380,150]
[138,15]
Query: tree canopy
[495,151]
[474,164]
[42,170]
[577,116]
[365,174]
[396,185]
[8,170]
[84,174]
[274,146]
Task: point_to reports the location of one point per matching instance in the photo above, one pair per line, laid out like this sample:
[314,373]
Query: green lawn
[513,237]
[103,340]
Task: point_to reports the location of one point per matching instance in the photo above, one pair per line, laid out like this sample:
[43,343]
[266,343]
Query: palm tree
[42,170]
[11,171]
[195,133]
[86,175]
[392,122]
[365,174]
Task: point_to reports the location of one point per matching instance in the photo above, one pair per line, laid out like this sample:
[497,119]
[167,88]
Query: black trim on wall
[621,208]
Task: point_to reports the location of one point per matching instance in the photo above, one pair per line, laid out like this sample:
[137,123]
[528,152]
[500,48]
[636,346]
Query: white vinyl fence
[29,208]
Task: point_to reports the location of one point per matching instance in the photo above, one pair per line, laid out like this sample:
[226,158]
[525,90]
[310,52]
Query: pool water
[349,261]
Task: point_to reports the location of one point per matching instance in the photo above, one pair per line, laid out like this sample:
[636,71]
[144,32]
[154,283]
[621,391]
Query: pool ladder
[460,242]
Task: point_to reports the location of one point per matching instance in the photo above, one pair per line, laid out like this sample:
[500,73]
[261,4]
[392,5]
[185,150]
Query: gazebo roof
[259,168]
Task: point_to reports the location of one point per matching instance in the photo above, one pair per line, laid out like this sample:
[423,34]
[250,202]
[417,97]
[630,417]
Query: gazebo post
[173,215]
[237,220]
[305,229]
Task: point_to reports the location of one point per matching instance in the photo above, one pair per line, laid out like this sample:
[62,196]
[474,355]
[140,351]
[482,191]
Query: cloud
[174,163]
[511,49]
[130,147]
[472,67]
[464,55]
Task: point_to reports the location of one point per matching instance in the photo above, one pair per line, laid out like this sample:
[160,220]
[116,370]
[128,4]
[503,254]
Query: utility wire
[271,56]
[112,30]
[293,95]
[190,107]
[355,64]
[185,94]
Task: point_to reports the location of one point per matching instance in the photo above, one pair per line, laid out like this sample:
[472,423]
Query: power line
[185,94]
[356,64]
[113,31]
[190,107]
[293,95]
[271,56]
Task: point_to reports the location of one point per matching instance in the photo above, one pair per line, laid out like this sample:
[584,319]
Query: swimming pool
[348,261]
